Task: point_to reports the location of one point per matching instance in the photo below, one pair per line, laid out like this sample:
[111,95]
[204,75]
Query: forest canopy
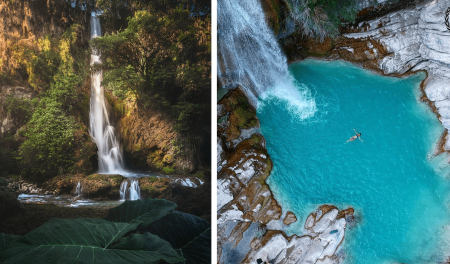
[161,56]
[156,54]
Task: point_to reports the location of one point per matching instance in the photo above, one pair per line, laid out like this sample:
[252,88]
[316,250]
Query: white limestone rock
[224,194]
[416,39]
[326,233]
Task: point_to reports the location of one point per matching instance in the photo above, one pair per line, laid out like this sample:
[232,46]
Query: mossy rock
[242,113]
[152,187]
[168,158]
[103,185]
[200,175]
[168,170]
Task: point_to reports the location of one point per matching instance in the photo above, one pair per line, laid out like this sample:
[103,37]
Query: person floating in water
[358,135]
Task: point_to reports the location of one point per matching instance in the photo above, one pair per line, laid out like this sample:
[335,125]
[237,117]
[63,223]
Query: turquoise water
[399,190]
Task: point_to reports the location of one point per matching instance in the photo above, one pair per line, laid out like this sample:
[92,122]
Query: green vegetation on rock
[49,134]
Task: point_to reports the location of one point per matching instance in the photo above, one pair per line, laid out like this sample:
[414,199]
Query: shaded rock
[196,201]
[290,218]
[9,205]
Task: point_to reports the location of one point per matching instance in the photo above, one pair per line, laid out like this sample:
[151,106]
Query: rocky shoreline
[190,193]
[394,40]
[250,220]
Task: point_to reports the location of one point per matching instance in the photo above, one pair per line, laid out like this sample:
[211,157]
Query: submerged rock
[290,218]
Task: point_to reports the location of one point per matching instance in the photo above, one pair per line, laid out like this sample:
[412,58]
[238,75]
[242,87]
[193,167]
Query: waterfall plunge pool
[399,189]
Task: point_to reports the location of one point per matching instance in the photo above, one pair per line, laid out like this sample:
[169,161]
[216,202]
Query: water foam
[250,57]
[294,96]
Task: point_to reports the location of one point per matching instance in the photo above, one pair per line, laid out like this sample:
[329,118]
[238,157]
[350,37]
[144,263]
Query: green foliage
[19,108]
[141,211]
[200,175]
[49,145]
[47,149]
[161,59]
[6,239]
[168,170]
[322,18]
[188,234]
[87,240]
[148,232]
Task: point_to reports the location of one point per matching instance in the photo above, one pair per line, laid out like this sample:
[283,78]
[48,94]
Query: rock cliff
[27,21]
[150,141]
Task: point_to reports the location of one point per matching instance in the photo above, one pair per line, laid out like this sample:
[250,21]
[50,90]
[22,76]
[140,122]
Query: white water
[79,190]
[133,192]
[103,133]
[249,56]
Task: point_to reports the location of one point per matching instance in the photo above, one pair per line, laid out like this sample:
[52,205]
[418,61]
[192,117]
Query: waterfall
[103,133]
[79,190]
[134,192]
[123,190]
[249,56]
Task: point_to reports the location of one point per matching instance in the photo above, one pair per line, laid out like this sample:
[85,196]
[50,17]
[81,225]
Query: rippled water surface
[400,192]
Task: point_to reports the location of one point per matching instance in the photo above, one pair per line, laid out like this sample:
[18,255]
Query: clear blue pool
[399,190]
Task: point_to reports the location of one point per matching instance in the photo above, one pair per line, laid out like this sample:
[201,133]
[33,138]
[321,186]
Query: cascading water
[109,154]
[123,190]
[79,190]
[134,192]
[249,56]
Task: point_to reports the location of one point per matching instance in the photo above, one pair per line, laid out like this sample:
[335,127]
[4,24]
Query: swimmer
[358,135]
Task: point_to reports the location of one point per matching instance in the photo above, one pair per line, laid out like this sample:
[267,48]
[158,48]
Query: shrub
[168,170]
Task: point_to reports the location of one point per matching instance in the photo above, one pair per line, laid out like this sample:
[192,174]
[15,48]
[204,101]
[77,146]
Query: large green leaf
[6,239]
[85,241]
[146,211]
[188,234]
[158,247]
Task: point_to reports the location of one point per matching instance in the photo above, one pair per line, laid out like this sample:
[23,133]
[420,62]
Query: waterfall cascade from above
[249,56]
[109,154]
